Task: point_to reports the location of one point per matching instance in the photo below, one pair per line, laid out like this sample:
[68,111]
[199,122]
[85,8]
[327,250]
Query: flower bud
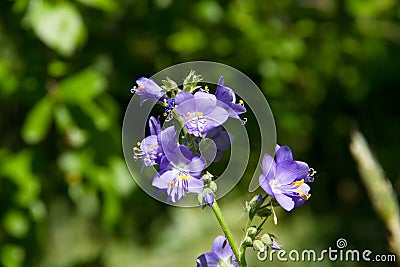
[266,239]
[252,231]
[258,245]
[247,241]
[213,186]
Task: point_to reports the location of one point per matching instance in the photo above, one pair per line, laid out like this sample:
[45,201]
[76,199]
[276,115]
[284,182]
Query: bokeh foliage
[66,67]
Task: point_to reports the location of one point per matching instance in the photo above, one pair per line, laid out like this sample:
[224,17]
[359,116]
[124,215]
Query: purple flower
[275,244]
[149,150]
[209,198]
[200,112]
[220,256]
[221,139]
[284,178]
[180,170]
[227,97]
[148,90]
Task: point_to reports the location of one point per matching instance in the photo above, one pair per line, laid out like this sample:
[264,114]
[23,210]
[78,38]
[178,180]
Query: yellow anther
[135,149]
[241,102]
[160,154]
[172,184]
[138,143]
[302,195]
[151,150]
[165,103]
[141,87]
[299,183]
[312,172]
[199,114]
[165,114]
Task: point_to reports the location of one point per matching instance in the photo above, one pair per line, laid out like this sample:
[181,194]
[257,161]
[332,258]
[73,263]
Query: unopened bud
[258,245]
[252,231]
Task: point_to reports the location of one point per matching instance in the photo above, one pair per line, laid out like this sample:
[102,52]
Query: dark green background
[67,199]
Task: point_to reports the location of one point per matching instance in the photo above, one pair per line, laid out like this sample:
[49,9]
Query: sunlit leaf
[58,24]
[16,224]
[18,168]
[37,122]
[82,86]
[12,255]
[110,6]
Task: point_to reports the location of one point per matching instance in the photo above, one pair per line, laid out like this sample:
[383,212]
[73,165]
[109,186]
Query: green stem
[227,232]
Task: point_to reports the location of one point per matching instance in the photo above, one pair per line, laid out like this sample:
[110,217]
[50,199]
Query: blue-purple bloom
[227,99]
[285,178]
[209,198]
[147,89]
[220,256]
[199,112]
[149,150]
[180,169]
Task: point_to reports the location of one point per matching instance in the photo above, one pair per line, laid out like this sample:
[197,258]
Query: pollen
[160,154]
[141,87]
[299,183]
[199,114]
[165,114]
[302,195]
[172,184]
[135,149]
[241,102]
[138,143]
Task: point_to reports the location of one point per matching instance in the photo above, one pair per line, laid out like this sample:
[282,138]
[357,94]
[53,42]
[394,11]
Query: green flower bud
[266,239]
[213,186]
[258,245]
[252,231]
[247,241]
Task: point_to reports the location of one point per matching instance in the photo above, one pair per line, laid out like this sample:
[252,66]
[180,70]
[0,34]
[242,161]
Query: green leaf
[58,24]
[109,6]
[16,224]
[37,122]
[12,255]
[18,169]
[82,86]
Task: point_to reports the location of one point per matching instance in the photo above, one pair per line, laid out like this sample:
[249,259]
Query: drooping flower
[220,256]
[149,149]
[199,112]
[227,99]
[147,89]
[180,169]
[284,178]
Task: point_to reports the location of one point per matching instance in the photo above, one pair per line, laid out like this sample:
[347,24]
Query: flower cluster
[182,169]
[201,115]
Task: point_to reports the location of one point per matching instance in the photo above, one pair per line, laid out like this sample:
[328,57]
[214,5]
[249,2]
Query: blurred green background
[66,197]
